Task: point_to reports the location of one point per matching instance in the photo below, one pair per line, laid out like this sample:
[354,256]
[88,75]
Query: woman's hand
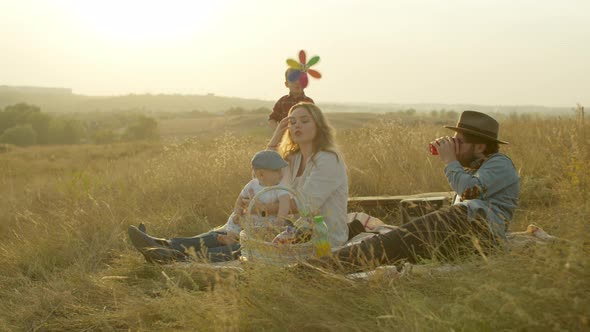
[279,132]
[447,149]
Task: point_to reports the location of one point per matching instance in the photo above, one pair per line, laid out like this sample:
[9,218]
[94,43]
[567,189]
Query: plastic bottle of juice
[321,241]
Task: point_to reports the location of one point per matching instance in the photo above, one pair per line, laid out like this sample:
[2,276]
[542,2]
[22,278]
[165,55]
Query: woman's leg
[179,249]
[443,234]
[153,249]
[206,245]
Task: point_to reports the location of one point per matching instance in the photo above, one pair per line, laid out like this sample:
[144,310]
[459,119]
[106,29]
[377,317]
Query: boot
[154,249]
[163,255]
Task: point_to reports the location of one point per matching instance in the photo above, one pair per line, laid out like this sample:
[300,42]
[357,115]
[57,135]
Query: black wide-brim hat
[478,124]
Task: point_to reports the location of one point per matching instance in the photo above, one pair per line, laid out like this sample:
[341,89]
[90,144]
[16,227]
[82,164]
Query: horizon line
[212,94]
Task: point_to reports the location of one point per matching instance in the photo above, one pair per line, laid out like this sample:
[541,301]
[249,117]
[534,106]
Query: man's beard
[468,157]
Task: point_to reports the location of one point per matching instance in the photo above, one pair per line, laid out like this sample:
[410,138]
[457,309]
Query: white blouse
[324,189]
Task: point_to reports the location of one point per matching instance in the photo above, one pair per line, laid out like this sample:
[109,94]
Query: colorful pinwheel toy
[301,69]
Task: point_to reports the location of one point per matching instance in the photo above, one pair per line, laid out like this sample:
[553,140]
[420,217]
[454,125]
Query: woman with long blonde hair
[316,169]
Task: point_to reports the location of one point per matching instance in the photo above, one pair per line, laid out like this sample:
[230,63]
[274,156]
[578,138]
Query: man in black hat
[487,187]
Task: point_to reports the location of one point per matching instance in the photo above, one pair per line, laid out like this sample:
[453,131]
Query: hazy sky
[483,52]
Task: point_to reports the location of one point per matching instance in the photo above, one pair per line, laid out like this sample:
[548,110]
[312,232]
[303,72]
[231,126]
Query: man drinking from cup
[487,187]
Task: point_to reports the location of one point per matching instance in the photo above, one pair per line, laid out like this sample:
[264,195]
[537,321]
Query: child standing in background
[284,104]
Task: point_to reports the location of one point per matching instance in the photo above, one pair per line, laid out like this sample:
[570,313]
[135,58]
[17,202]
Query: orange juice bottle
[321,241]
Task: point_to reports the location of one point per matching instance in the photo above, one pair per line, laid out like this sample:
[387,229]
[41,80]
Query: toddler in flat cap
[266,169]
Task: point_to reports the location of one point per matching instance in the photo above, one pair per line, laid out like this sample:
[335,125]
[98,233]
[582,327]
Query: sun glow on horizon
[477,52]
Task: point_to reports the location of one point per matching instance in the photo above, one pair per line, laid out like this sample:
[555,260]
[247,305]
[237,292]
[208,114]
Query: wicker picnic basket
[261,250]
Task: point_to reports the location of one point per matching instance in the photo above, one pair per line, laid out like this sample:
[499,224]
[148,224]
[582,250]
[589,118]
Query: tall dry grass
[67,264]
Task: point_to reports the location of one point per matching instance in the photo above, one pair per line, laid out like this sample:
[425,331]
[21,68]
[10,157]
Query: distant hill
[62,100]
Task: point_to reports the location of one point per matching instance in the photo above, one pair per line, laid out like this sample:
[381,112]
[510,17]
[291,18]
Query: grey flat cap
[268,159]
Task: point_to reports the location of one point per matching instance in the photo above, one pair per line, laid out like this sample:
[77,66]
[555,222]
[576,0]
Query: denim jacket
[489,189]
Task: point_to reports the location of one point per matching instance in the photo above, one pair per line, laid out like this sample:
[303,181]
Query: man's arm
[461,181]
[495,174]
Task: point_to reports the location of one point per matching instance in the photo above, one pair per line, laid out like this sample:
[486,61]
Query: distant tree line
[24,125]
[442,113]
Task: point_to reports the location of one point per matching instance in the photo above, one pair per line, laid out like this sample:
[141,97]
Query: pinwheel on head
[301,69]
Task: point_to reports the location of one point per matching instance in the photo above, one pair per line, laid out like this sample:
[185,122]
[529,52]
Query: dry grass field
[67,264]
